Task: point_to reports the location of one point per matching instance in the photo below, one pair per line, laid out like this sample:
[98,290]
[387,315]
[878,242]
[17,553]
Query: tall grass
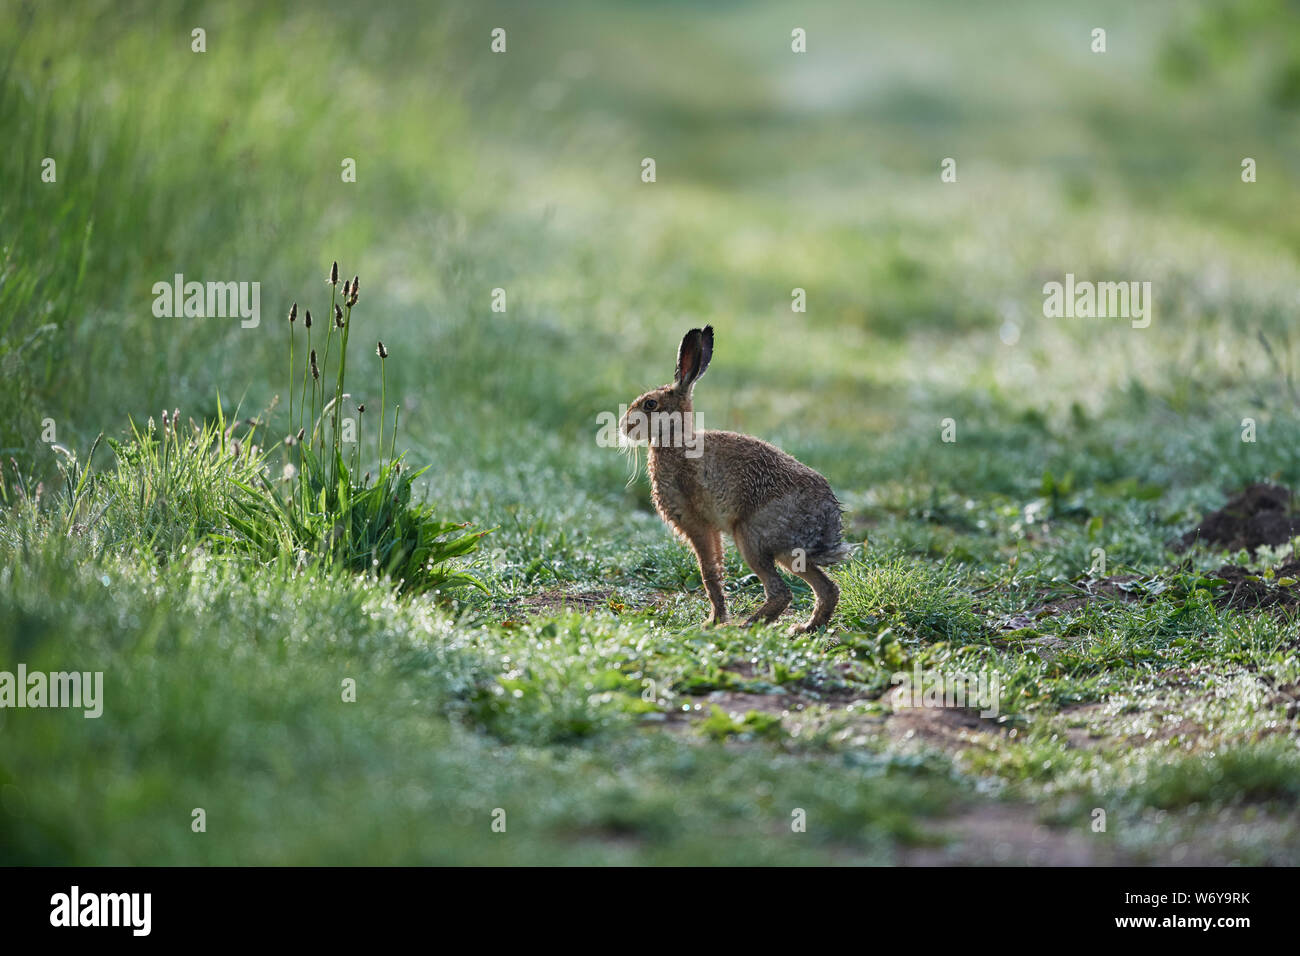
[175,487]
[324,507]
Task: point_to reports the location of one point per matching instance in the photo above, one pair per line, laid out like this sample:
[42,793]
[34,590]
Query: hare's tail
[834,555]
[824,533]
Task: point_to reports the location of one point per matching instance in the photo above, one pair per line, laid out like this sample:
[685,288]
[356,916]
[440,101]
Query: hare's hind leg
[707,545]
[775,590]
[828,596]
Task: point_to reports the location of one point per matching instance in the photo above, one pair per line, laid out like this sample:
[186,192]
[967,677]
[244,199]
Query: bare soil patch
[1071,597]
[779,700]
[1011,836]
[555,600]
[949,728]
[1248,590]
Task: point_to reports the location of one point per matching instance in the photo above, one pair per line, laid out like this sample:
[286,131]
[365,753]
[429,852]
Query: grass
[575,690]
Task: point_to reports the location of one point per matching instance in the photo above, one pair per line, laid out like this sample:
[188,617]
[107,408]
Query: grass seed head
[334,273]
[293,313]
[381,351]
[315,369]
[338,316]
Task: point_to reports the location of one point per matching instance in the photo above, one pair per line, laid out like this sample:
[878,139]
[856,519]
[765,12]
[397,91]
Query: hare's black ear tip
[707,332]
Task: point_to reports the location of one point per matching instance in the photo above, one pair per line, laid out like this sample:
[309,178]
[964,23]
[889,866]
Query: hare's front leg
[707,545]
[775,590]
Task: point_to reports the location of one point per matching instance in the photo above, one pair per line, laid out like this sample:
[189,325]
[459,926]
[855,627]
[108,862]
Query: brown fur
[777,509]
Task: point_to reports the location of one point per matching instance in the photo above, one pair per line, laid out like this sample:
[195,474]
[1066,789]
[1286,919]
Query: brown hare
[777,509]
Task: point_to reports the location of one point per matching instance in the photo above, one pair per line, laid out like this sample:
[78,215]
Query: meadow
[1022,491]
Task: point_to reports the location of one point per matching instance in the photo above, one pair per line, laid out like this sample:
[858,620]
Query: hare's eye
[651,404]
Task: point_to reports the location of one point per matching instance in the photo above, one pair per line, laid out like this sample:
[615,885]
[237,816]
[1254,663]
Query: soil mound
[1260,515]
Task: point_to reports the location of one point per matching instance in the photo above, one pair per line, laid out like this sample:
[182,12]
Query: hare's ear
[693,357]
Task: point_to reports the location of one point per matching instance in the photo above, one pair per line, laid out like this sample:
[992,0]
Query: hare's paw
[807,627]
[767,612]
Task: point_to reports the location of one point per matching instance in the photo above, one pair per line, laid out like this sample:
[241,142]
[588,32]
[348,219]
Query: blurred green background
[521,171]
[776,171]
